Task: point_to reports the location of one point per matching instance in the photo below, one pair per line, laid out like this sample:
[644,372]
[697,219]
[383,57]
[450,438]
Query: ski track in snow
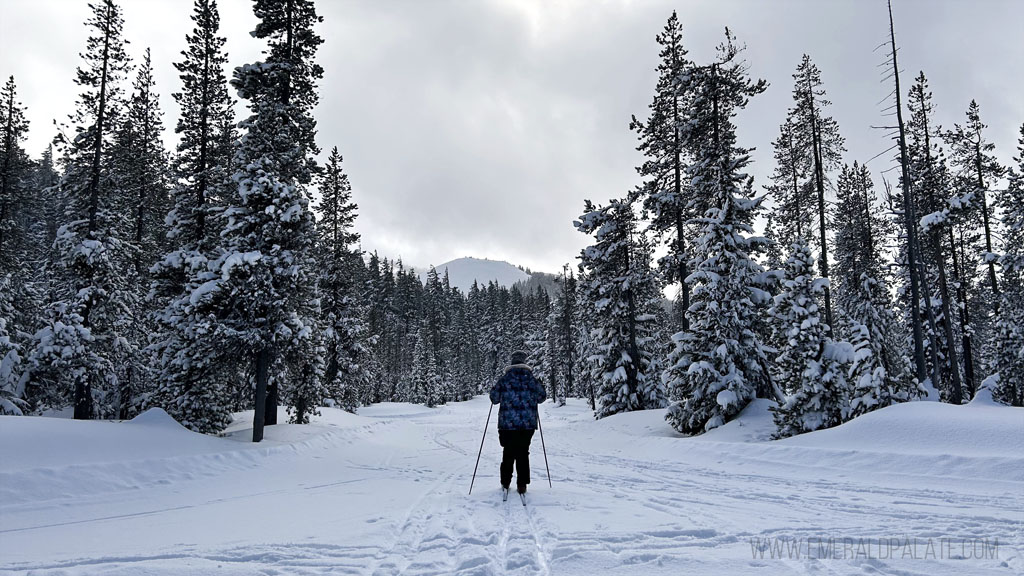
[385,494]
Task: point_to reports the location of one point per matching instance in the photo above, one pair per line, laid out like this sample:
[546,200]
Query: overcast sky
[477,127]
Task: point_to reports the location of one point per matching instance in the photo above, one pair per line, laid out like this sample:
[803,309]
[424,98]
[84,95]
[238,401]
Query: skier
[519,393]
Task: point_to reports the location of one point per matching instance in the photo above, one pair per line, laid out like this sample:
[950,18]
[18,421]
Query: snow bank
[977,429]
[157,417]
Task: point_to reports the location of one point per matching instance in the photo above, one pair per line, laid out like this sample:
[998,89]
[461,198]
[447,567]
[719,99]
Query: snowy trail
[384,493]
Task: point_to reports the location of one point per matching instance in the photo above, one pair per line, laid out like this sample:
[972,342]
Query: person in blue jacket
[519,392]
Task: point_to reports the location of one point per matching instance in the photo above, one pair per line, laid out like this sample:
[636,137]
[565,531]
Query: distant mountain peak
[462,272]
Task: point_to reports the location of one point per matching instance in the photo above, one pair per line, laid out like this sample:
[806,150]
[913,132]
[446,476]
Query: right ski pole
[487,425]
[542,447]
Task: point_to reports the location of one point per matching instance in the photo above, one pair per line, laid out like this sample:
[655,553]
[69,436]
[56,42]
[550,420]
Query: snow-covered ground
[385,492]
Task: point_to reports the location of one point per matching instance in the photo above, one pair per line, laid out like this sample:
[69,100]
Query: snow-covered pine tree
[14,172]
[425,382]
[339,265]
[719,366]
[623,291]
[811,367]
[876,377]
[816,136]
[931,184]
[140,167]
[793,213]
[976,170]
[1009,347]
[80,349]
[19,247]
[666,192]
[538,336]
[196,369]
[565,329]
[139,170]
[266,269]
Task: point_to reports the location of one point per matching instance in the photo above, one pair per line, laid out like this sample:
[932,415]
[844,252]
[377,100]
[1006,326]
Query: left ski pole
[542,447]
[486,426]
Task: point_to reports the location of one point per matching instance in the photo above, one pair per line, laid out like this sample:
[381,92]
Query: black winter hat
[519,357]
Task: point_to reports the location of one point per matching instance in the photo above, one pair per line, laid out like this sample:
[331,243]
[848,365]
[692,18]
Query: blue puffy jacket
[519,393]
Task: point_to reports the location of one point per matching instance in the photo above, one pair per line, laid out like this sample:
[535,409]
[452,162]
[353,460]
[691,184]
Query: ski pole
[487,425]
[542,447]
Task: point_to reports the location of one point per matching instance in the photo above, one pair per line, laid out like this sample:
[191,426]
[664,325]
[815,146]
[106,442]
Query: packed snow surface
[385,492]
[462,272]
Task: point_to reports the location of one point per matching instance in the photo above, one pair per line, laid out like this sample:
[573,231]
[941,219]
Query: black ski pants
[517,451]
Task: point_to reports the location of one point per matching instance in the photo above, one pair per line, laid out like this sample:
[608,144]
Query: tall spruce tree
[14,183]
[80,349]
[666,192]
[140,173]
[794,211]
[196,369]
[339,265]
[623,290]
[266,269]
[720,365]
[973,158]
[817,137]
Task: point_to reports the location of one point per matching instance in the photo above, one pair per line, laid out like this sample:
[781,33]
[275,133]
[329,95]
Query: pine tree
[719,366]
[666,193]
[931,182]
[976,170]
[14,171]
[811,366]
[817,137]
[139,172]
[266,274]
[1009,348]
[623,290]
[339,265]
[862,296]
[972,154]
[425,381]
[565,329]
[141,168]
[196,368]
[794,213]
[80,349]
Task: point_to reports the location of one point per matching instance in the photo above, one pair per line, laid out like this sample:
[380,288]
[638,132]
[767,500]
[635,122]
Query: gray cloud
[478,128]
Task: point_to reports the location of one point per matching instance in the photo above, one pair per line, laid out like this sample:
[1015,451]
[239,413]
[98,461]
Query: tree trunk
[956,390]
[964,314]
[262,374]
[819,182]
[909,221]
[988,229]
[270,415]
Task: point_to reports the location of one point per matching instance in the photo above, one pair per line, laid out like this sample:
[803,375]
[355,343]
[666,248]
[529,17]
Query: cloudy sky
[477,127]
